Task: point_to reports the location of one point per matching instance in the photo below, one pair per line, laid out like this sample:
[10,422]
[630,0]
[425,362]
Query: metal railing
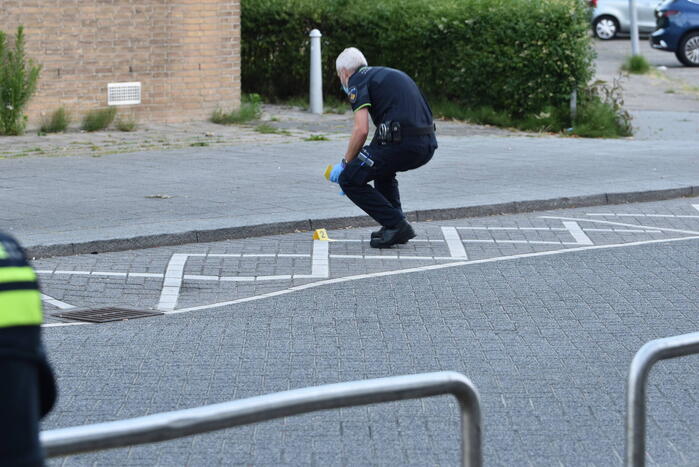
[643,361]
[170,425]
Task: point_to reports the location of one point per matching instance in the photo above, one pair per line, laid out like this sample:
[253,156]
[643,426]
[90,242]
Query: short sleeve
[358,94]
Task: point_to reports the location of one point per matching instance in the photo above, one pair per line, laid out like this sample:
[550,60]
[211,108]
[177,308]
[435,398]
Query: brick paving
[547,340]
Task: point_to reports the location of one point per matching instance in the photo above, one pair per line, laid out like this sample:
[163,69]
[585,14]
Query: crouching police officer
[404,140]
[27,390]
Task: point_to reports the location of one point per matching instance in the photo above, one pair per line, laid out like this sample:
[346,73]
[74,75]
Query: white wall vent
[124,93]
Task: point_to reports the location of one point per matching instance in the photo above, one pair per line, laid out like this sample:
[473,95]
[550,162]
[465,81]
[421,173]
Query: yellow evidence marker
[321,234]
[327,172]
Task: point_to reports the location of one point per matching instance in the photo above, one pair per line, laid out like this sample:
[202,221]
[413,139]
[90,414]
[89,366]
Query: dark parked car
[678,30]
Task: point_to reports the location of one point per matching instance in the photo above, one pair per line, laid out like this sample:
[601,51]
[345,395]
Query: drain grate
[105,315]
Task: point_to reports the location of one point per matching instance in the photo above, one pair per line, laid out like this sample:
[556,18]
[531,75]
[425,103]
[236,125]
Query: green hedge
[514,55]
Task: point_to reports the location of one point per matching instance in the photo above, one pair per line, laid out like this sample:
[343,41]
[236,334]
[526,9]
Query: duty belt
[418,131]
[393,132]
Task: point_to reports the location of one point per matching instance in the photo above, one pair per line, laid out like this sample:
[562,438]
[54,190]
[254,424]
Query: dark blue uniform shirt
[389,95]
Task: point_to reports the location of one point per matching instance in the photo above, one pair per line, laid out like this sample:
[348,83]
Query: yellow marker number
[321,234]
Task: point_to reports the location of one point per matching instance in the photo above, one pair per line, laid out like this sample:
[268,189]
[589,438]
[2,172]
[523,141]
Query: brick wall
[186,54]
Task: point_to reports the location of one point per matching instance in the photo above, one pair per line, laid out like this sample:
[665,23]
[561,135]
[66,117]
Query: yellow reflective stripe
[20,308]
[362,106]
[3,252]
[17,274]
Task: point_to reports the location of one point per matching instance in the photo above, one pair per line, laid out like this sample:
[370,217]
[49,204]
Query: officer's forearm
[360,131]
[356,143]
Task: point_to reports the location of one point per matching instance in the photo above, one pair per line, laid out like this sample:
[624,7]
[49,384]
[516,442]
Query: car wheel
[688,51]
[605,27]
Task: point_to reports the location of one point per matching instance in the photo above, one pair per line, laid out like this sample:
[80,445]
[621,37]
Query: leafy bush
[250,109]
[601,113]
[57,122]
[519,56]
[126,124]
[636,64]
[99,119]
[18,79]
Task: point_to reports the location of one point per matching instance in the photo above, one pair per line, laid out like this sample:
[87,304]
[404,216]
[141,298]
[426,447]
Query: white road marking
[361,240]
[680,216]
[173,282]
[252,255]
[577,233]
[60,325]
[596,221]
[427,268]
[57,303]
[146,274]
[396,257]
[454,243]
[103,273]
[548,229]
[696,206]
[320,262]
[622,230]
[534,242]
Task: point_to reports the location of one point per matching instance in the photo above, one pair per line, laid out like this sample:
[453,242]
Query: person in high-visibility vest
[27,387]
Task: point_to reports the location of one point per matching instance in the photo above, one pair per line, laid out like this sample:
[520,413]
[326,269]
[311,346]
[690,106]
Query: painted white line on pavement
[454,243]
[61,325]
[622,230]
[57,303]
[172,282]
[360,240]
[433,267]
[680,216]
[577,233]
[396,257]
[320,262]
[548,229]
[103,273]
[237,279]
[596,221]
[696,206]
[534,242]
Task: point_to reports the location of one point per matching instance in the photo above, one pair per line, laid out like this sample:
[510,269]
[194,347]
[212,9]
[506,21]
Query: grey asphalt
[77,200]
[546,339]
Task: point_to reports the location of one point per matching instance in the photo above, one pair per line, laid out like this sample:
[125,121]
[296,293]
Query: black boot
[378,233]
[399,234]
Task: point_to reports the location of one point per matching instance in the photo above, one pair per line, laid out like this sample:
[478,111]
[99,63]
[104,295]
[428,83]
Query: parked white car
[610,17]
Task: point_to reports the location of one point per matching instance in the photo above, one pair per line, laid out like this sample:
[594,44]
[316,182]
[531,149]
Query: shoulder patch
[352,95]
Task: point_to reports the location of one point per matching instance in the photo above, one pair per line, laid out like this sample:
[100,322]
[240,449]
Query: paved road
[82,199]
[543,311]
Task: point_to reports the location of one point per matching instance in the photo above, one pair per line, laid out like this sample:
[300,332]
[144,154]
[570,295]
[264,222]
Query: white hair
[350,59]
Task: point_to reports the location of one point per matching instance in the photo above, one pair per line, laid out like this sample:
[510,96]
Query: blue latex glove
[335,173]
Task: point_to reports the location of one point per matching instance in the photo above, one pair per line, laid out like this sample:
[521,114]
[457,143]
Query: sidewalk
[203,182]
[67,205]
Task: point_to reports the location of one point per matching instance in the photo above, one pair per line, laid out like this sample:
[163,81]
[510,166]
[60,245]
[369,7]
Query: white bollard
[316,90]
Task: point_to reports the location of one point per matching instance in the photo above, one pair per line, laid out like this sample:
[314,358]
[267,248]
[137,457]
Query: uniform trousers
[382,201]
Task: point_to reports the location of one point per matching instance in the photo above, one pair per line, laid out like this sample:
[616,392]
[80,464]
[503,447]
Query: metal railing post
[643,361]
[171,425]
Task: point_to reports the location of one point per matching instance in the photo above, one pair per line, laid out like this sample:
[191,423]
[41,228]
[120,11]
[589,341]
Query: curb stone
[277,228]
